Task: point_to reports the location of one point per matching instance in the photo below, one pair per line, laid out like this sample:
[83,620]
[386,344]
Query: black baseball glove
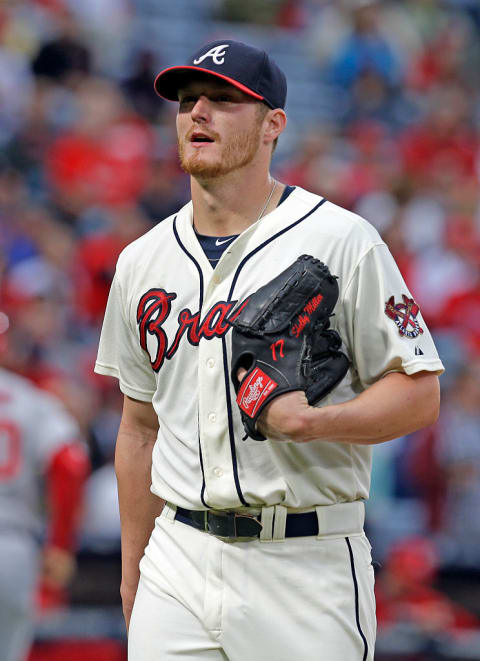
[281,337]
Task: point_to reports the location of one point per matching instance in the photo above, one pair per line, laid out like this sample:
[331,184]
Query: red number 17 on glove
[280,344]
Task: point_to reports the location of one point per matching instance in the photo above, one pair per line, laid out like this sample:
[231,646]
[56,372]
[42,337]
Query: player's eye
[188,101]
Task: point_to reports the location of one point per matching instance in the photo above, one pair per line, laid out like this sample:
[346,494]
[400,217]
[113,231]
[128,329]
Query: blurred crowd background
[384,119]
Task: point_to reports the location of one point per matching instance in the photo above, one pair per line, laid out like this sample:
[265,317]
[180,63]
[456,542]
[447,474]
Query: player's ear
[275,123]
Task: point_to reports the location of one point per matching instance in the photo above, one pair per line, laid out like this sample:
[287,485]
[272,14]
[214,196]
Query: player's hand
[287,417]
[58,567]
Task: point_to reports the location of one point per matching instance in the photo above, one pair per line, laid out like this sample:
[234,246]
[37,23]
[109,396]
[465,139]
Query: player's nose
[201,110]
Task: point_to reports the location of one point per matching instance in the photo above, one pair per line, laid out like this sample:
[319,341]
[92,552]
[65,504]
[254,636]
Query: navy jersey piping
[197,265]
[231,433]
[200,302]
[357,608]
[202,491]
[265,243]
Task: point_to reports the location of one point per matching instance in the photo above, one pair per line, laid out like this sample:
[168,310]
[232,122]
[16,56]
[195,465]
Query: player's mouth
[199,138]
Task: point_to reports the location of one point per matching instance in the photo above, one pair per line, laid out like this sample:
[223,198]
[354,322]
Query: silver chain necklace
[268,201]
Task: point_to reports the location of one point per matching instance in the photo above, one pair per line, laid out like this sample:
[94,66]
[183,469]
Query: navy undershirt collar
[214,246]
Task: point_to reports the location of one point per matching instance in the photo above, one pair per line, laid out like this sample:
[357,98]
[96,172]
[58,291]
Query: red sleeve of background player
[66,476]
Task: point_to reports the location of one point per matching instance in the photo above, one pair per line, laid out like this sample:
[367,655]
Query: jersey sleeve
[120,354]
[384,326]
[57,429]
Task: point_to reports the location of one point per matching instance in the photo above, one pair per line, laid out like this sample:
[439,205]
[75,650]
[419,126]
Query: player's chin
[199,166]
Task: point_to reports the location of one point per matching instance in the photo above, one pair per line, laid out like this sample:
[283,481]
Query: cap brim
[169,80]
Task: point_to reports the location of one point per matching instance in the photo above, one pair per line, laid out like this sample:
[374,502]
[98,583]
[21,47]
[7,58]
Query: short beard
[240,151]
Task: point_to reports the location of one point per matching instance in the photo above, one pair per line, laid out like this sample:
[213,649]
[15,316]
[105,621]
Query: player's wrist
[128,590]
[130,574]
[308,425]
[289,418]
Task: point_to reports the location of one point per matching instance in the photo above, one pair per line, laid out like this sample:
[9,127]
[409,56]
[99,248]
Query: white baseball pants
[300,598]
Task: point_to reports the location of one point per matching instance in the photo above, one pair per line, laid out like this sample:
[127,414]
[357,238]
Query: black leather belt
[238,524]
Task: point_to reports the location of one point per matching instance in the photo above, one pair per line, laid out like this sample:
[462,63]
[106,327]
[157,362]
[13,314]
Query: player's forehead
[199,83]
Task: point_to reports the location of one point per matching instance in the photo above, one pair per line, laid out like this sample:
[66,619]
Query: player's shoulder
[16,385]
[23,390]
[337,220]
[147,245]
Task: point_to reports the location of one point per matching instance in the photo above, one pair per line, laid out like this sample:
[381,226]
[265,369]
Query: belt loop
[169,512]
[279,523]
[361,515]
[266,533]
[322,520]
[340,518]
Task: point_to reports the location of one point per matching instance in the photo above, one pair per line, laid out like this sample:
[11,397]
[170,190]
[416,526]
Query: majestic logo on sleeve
[216,53]
[404,315]
[154,308]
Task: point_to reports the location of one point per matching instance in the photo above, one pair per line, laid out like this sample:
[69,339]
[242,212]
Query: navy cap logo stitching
[216,53]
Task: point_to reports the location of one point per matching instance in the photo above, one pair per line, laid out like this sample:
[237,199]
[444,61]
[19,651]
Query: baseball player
[259,552]
[38,441]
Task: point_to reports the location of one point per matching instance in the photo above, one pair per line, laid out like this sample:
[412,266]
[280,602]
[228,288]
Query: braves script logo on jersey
[153,310]
[304,319]
[216,53]
[255,388]
[404,315]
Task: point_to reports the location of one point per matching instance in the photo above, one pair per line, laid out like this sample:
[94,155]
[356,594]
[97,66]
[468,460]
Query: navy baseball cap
[249,69]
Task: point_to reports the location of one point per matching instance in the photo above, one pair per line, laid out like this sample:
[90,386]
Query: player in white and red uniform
[41,461]
[259,552]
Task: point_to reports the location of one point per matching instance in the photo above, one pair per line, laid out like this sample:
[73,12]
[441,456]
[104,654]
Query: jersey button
[212,417]
[217,472]
[210,363]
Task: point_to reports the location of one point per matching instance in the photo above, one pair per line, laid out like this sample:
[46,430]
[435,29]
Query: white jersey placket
[213,381]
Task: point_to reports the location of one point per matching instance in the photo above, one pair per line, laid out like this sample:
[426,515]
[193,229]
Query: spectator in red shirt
[443,147]
[405,593]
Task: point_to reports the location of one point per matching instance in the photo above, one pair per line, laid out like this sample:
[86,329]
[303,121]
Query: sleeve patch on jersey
[405,316]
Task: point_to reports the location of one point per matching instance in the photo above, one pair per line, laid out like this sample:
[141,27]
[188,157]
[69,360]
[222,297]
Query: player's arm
[66,475]
[395,405]
[138,506]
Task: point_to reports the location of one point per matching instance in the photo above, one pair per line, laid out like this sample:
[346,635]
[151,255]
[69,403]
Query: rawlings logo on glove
[254,390]
[282,338]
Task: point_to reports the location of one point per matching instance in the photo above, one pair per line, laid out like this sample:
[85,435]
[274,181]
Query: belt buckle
[256,527]
[224,525]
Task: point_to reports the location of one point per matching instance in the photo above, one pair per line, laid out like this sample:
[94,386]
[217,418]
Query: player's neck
[230,204]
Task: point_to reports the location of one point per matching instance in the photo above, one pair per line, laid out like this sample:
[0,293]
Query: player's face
[218,128]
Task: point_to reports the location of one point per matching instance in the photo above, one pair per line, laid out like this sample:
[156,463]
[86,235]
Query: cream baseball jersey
[166,338]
